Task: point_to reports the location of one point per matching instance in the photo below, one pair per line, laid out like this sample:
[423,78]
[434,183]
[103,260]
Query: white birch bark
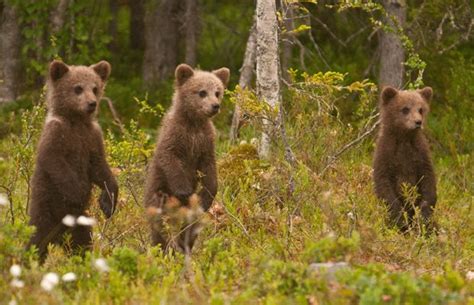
[392,53]
[58,17]
[268,84]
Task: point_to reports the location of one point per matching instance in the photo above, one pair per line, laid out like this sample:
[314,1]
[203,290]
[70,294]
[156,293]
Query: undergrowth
[272,219]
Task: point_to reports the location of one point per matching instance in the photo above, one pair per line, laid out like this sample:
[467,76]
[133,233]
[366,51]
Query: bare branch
[114,113]
[463,38]
[352,143]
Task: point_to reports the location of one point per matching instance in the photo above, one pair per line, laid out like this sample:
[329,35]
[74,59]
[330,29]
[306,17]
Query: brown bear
[70,156]
[184,155]
[402,155]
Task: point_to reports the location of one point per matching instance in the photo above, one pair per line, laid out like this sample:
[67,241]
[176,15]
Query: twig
[439,29]
[463,38]
[237,220]
[354,35]
[352,143]
[331,33]
[302,53]
[114,113]
[318,50]
[132,191]
[112,240]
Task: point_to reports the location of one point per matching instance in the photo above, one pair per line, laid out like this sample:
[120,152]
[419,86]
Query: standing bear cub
[402,156]
[70,156]
[184,157]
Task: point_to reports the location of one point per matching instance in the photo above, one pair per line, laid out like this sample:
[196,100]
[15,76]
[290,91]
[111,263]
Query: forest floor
[270,222]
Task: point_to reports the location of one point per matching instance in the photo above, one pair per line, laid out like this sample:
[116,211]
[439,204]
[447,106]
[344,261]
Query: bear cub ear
[57,69]
[388,93]
[426,93]
[182,73]
[103,69]
[223,74]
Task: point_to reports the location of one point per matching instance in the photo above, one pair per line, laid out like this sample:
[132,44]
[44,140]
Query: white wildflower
[16,283]
[351,215]
[69,277]
[470,275]
[15,270]
[13,302]
[49,281]
[85,221]
[4,200]
[256,186]
[254,141]
[243,142]
[101,265]
[69,220]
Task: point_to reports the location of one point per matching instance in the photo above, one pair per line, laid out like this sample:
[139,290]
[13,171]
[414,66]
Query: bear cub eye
[420,110]
[78,90]
[95,90]
[405,110]
[202,93]
[218,94]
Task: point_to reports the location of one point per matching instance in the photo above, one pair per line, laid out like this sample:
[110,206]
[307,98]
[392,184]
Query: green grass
[271,221]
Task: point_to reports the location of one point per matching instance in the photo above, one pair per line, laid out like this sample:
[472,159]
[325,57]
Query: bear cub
[402,156]
[70,156]
[184,162]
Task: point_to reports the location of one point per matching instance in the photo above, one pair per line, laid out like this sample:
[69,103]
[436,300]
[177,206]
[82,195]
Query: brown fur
[402,154]
[70,156]
[184,154]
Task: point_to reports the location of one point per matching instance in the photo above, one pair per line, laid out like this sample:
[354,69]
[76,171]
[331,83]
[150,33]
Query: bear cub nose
[216,107]
[91,106]
[418,123]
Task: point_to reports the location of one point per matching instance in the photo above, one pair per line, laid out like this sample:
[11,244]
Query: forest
[296,218]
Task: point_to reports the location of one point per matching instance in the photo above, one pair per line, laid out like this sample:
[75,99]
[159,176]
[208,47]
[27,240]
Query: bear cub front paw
[107,203]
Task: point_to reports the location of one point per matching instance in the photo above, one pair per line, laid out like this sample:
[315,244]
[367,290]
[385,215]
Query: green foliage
[332,249]
[270,220]
[125,260]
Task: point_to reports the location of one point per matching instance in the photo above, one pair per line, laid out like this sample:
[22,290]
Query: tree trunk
[392,53]
[161,41]
[246,73]
[192,28]
[58,17]
[268,84]
[9,53]
[113,24]
[137,24]
[287,42]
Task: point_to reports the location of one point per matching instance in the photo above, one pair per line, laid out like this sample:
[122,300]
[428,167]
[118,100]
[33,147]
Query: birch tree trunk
[58,17]
[392,53]
[246,73]
[268,84]
[9,53]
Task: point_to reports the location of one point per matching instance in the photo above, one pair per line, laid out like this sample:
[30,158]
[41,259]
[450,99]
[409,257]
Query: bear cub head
[199,93]
[405,110]
[75,91]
